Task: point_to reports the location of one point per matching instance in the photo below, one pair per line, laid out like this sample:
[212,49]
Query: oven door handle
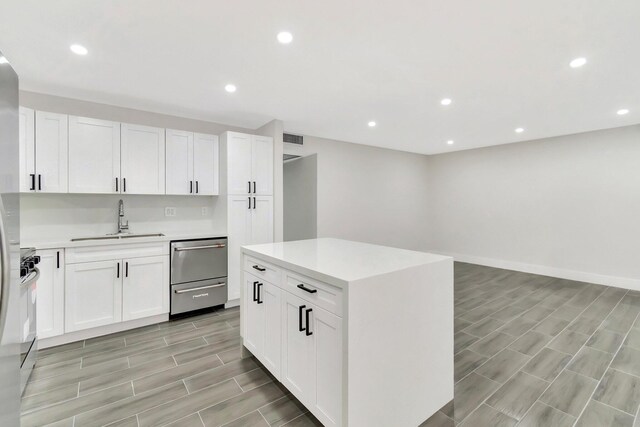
[193,248]
[182,291]
[32,279]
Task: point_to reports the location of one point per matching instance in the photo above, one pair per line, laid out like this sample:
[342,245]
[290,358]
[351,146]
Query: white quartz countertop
[65,242]
[341,260]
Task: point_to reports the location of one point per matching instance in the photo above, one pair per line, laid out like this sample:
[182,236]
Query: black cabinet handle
[249,202]
[254,292]
[257,267]
[304,288]
[197,187]
[249,182]
[58,259]
[259,300]
[116,185]
[190,187]
[33,181]
[300,309]
[254,203]
[306,315]
[124,185]
[254,187]
[39,182]
[118,273]
[126,269]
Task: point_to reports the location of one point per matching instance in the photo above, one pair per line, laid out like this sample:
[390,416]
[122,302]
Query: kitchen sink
[117,236]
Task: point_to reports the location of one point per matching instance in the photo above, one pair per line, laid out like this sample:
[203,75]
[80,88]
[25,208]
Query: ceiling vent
[292,139]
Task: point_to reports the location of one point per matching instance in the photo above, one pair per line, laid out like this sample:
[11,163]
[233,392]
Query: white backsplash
[52,216]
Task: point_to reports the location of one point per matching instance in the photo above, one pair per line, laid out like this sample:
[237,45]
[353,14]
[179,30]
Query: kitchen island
[361,334]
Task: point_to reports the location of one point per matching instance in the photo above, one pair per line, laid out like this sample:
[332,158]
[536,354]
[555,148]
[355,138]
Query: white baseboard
[232,303]
[562,273]
[101,330]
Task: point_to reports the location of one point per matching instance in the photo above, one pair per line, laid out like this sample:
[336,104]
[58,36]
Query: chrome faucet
[123,225]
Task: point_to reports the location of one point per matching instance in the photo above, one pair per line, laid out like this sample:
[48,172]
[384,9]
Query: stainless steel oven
[29,275]
[198,274]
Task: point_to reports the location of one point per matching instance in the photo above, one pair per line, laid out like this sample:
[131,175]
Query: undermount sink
[117,236]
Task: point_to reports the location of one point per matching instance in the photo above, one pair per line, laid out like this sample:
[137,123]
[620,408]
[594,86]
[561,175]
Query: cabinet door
[239,231]
[261,220]
[93,294]
[27,150]
[270,295]
[145,287]
[298,358]
[239,163]
[254,317]
[205,164]
[179,171]
[262,164]
[142,159]
[327,332]
[94,156]
[50,293]
[51,152]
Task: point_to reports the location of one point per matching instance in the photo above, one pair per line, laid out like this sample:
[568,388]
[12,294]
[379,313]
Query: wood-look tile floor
[529,351]
[539,351]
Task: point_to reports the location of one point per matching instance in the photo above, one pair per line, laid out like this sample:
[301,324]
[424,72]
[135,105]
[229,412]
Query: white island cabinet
[361,334]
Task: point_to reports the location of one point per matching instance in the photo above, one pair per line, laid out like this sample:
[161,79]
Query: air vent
[292,139]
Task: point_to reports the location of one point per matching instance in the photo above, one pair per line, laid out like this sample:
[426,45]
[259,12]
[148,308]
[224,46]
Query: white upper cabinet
[192,163]
[262,165]
[142,159]
[27,150]
[205,164]
[94,156]
[51,152]
[249,164]
[238,163]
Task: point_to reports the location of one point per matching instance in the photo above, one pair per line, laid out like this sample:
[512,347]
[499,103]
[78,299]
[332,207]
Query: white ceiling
[503,62]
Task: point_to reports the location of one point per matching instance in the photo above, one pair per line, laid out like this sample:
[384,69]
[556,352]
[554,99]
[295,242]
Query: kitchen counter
[65,242]
[339,261]
[361,334]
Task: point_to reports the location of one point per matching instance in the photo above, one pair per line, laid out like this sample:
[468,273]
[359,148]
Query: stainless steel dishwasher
[198,274]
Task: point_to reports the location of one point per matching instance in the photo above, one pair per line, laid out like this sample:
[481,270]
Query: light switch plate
[205,211]
[169,211]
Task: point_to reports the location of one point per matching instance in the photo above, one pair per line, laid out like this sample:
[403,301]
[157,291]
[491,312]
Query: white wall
[369,194]
[301,198]
[566,206]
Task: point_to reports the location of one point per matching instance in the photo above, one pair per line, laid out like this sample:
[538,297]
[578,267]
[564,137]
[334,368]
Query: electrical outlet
[169,211]
[205,211]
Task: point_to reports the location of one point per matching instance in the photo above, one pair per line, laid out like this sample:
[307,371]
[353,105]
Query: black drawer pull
[254,292]
[300,309]
[257,267]
[259,300]
[306,315]
[304,288]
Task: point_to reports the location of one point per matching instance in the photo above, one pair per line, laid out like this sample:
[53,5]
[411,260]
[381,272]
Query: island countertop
[339,261]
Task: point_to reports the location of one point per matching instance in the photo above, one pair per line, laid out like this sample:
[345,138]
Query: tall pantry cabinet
[248,187]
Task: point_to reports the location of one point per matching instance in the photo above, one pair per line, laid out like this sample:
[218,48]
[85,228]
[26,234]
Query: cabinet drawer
[111,252]
[263,270]
[323,295]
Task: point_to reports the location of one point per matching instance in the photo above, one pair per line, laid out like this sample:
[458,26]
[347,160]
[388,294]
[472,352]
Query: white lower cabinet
[93,295]
[50,293]
[145,290]
[297,341]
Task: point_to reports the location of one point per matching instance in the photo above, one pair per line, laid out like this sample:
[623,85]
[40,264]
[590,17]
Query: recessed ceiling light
[446,101]
[285,37]
[3,60]
[622,112]
[372,124]
[450,142]
[578,62]
[78,49]
[230,88]
[519,130]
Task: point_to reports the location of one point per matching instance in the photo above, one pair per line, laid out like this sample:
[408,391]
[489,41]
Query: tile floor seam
[234,379]
[571,360]
[293,419]
[538,352]
[263,417]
